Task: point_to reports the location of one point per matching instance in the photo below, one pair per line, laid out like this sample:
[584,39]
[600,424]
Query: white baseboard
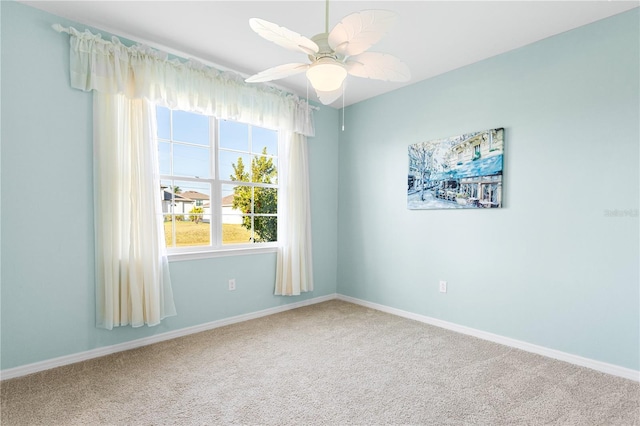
[603,367]
[23,370]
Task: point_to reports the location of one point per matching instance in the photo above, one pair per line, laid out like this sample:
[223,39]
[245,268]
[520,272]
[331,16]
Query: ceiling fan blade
[283,37]
[327,98]
[361,30]
[275,73]
[378,66]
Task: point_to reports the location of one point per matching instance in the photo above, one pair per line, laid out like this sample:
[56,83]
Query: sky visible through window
[194,159]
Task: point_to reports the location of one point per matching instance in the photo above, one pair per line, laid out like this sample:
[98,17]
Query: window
[476,152]
[219,182]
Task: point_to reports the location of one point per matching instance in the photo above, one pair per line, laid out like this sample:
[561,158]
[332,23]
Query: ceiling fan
[335,54]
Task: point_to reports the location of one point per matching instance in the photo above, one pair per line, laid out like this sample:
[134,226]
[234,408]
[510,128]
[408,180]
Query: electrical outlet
[232,284]
[443,286]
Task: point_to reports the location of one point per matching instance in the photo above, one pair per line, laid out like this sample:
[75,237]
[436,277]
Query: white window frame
[216,247]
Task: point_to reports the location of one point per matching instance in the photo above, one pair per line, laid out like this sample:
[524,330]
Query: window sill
[208,254]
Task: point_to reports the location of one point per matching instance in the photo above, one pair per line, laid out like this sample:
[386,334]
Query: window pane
[189,230]
[264,139]
[189,195]
[236,229]
[234,135]
[265,200]
[164,157]
[266,229]
[264,169]
[191,161]
[236,199]
[190,127]
[191,212]
[193,230]
[164,124]
[234,166]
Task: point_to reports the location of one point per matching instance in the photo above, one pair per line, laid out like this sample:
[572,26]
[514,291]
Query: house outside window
[219,182]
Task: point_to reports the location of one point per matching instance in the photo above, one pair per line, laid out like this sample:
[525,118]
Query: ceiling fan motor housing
[324,50]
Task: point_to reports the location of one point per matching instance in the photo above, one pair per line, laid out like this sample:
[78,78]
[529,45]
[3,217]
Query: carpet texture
[333,363]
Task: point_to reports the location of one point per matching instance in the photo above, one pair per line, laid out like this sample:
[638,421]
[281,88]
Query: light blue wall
[47,217]
[551,268]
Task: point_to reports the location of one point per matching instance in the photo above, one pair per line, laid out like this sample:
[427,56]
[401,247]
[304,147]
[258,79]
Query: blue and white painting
[460,172]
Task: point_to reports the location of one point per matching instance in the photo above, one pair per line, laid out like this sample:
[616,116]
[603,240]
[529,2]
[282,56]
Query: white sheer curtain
[135,73]
[294,272]
[141,72]
[132,284]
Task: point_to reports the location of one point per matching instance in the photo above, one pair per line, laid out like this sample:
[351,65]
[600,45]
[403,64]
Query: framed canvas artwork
[460,172]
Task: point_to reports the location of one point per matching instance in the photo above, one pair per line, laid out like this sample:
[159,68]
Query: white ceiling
[432,37]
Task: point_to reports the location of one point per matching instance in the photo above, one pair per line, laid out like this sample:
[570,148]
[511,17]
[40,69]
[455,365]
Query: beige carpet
[333,363]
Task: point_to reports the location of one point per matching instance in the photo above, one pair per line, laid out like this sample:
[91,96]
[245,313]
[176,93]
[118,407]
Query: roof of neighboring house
[194,195]
[228,200]
[177,197]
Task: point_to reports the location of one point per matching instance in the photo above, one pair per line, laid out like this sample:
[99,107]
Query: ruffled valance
[141,72]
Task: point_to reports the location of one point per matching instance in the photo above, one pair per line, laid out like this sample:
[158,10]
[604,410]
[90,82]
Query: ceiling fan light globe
[326,75]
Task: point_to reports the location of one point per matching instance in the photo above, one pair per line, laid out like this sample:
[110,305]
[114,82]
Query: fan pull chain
[343,91]
[307,98]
